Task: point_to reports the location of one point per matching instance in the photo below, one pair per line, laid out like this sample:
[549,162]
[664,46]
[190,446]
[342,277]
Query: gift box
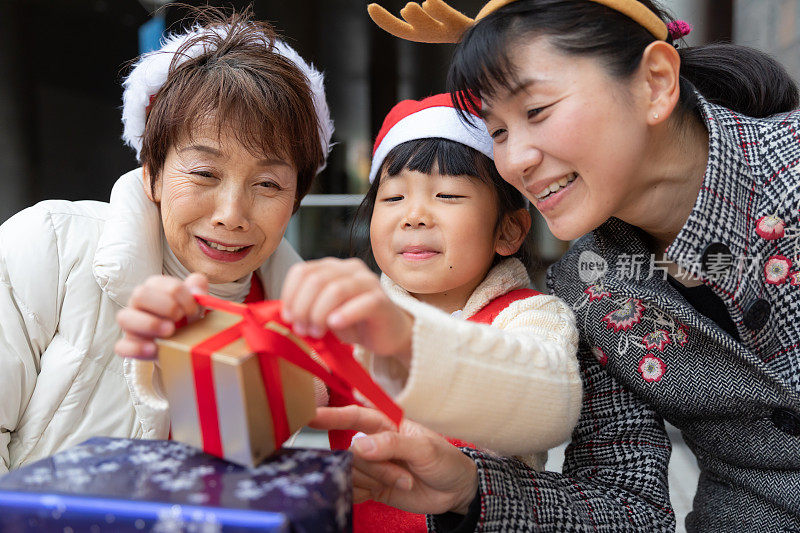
[123,485]
[239,381]
[225,389]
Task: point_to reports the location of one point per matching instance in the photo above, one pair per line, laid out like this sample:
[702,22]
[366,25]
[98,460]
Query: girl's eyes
[443,196]
[496,134]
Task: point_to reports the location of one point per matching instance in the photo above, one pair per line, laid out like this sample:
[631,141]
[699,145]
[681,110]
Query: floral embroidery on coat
[624,318]
[665,331]
[770,227]
[681,335]
[657,340]
[652,368]
[600,355]
[596,292]
[777,269]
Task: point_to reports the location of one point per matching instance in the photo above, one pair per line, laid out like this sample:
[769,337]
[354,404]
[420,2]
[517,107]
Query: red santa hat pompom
[432,117]
[150,73]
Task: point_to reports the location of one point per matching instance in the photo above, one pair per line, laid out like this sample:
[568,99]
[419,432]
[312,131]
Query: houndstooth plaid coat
[648,356]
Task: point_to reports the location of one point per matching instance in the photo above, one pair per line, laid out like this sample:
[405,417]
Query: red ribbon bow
[269,343]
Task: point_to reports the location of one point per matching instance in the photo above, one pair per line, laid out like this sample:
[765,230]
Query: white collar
[506,276]
[130,249]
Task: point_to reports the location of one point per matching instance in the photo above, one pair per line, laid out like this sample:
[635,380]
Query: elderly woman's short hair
[245,88]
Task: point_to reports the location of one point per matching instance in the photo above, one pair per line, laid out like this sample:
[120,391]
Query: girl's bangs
[450,158]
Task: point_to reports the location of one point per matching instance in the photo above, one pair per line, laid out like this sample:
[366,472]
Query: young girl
[688,154]
[446,232]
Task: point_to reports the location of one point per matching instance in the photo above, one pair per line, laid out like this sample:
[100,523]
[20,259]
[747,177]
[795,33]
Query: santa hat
[150,73]
[432,117]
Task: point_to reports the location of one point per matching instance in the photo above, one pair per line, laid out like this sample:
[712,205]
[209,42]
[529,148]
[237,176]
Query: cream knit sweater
[512,387]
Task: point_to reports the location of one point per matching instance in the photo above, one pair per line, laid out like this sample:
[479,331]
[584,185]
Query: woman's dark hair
[451,159]
[739,78]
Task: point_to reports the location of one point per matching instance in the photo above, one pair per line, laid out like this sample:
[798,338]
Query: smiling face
[435,234]
[224,209]
[570,137]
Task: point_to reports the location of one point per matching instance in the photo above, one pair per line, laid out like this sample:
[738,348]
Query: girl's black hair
[739,78]
[451,159]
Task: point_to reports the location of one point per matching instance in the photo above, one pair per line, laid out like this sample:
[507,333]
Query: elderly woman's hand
[154,308]
[413,468]
[346,297]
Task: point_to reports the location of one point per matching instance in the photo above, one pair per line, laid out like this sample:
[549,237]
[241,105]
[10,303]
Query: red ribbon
[344,376]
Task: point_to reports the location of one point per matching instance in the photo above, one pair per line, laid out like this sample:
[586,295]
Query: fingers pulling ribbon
[270,338]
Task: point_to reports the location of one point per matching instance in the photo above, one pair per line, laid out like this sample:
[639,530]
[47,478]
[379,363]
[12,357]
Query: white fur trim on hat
[442,122]
[150,72]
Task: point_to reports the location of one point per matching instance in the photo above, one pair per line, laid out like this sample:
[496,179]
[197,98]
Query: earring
[655,116]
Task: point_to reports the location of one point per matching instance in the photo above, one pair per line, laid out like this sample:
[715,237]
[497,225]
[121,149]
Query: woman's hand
[413,468]
[346,297]
[154,308]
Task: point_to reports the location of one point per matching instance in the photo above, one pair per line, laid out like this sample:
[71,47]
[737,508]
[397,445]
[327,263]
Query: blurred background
[62,62]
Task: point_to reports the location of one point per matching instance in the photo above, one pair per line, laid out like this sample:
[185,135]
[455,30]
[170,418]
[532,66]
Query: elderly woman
[231,126]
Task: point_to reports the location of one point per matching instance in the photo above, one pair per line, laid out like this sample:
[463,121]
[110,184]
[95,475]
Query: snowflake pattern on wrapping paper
[777,269]
[596,292]
[74,455]
[165,465]
[68,465]
[343,482]
[770,227]
[623,319]
[656,340]
[171,520]
[600,355]
[652,368]
[143,470]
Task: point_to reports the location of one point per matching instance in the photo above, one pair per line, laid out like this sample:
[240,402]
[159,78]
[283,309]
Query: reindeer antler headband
[436,22]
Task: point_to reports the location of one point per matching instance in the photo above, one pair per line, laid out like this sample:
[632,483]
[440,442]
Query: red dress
[372,516]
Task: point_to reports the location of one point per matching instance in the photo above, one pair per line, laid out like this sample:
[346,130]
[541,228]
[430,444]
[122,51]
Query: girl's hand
[346,297]
[413,468]
[154,308]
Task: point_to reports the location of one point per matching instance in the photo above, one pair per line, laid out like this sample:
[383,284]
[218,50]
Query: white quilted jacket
[66,268]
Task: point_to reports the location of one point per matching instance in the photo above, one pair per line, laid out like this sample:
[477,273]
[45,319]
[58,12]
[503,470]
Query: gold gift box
[245,420]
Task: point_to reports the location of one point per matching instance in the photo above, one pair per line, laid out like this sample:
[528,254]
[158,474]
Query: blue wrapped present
[125,485]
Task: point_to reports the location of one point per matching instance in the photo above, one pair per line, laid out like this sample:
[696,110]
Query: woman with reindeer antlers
[644,152]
